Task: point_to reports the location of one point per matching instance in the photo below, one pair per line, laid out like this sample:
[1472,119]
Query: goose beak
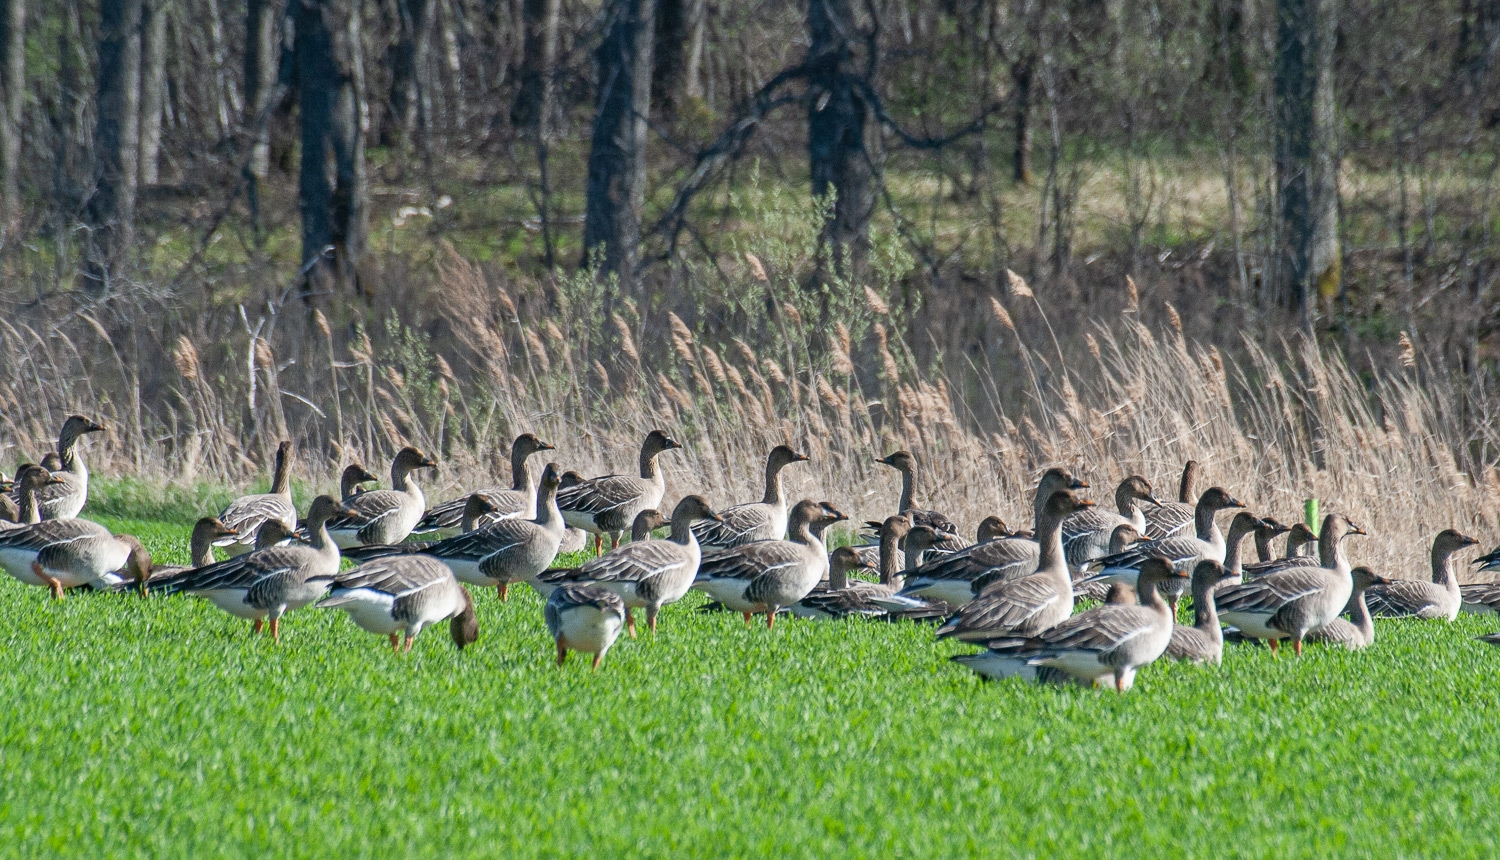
[1470,541]
[1234,503]
[1086,503]
[672,443]
[1153,500]
[1078,484]
[1356,530]
[800,458]
[714,517]
[545,447]
[94,427]
[428,463]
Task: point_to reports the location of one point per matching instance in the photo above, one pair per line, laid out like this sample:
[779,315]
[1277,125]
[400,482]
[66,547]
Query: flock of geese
[1012,593]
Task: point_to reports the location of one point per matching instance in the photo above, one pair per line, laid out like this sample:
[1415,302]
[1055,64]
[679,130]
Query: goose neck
[773,485]
[888,572]
[1442,568]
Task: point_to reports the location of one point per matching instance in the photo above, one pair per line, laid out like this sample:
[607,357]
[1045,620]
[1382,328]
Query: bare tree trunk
[110,212]
[12,94]
[616,179]
[1021,74]
[836,132]
[669,38]
[540,18]
[693,88]
[1307,154]
[154,15]
[261,62]
[408,70]
[331,182]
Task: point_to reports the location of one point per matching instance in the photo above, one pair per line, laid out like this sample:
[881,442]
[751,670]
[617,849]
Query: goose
[1026,606]
[646,522]
[766,575]
[1107,641]
[503,552]
[268,583]
[584,618]
[950,578]
[517,502]
[65,499]
[1289,603]
[1439,598]
[608,505]
[1268,530]
[58,553]
[1204,641]
[273,533]
[245,514]
[763,520]
[30,478]
[1299,538]
[905,463]
[384,516]
[353,477]
[1084,588]
[1086,534]
[649,574]
[924,542]
[1182,550]
[1242,525]
[841,597]
[1359,631]
[140,567]
[402,595]
[1175,518]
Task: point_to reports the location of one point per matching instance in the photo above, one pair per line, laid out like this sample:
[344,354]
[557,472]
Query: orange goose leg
[1297,646]
[275,629]
[630,622]
[770,618]
[598,655]
[562,653]
[395,648]
[53,585]
[747,618]
[258,626]
[1273,646]
[503,589]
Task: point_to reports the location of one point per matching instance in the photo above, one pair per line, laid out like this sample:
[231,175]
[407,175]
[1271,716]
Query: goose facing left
[245,514]
[268,583]
[66,498]
[58,553]
[384,516]
[402,595]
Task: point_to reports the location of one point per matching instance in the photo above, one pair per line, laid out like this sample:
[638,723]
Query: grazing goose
[906,464]
[608,505]
[1086,534]
[518,502]
[402,595]
[649,574]
[1183,551]
[1204,641]
[763,520]
[498,554]
[1024,607]
[268,583]
[1175,518]
[384,516]
[1086,588]
[1107,641]
[950,578]
[1268,530]
[1290,603]
[584,618]
[245,514]
[842,597]
[140,567]
[58,553]
[766,575]
[65,499]
[1359,631]
[1413,598]
[352,479]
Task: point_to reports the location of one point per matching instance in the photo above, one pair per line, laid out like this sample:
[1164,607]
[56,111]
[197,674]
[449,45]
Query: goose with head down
[515,502]
[609,504]
[763,520]
[1439,598]
[1026,606]
[950,579]
[649,574]
[1290,603]
[402,595]
[1109,641]
[66,497]
[584,618]
[266,584]
[1359,631]
[245,514]
[140,567]
[764,576]
[384,516]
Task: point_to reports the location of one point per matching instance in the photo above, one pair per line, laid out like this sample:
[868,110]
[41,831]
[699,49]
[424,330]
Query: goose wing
[1171,519]
[246,514]
[1403,598]
[1182,552]
[1004,558]
[636,561]
[368,508]
[600,495]
[1003,608]
[507,503]
[47,532]
[750,560]
[741,523]
[1104,628]
[1271,592]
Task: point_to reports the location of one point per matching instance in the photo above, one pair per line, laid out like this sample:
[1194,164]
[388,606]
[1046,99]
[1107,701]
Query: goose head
[1057,478]
[210,529]
[527,444]
[1298,536]
[1364,577]
[354,475]
[901,461]
[1155,571]
[569,478]
[657,442]
[324,508]
[51,462]
[1122,537]
[646,522]
[138,563]
[922,538]
[784,455]
[1207,575]
[464,627]
[410,459]
[1132,489]
[842,562]
[895,528]
[828,515]
[1269,528]
[1120,594]
[272,533]
[1449,541]
[1218,499]
[990,528]
[1064,502]
[77,426]
[693,508]
[476,506]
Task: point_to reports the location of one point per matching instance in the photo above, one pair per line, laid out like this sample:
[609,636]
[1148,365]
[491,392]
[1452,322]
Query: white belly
[1252,624]
[581,521]
[997,666]
[1083,665]
[588,629]
[467,570]
[371,611]
[17,563]
[232,600]
[730,592]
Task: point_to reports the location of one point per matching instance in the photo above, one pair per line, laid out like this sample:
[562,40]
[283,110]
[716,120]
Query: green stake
[1310,512]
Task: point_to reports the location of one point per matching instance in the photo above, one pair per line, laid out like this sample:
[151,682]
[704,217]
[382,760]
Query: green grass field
[159,728]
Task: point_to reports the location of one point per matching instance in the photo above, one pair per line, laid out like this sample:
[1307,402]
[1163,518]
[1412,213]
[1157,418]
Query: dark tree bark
[110,212]
[1306,154]
[12,92]
[153,83]
[616,178]
[836,131]
[667,56]
[331,181]
[1022,74]
[533,99]
[261,63]
[409,64]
